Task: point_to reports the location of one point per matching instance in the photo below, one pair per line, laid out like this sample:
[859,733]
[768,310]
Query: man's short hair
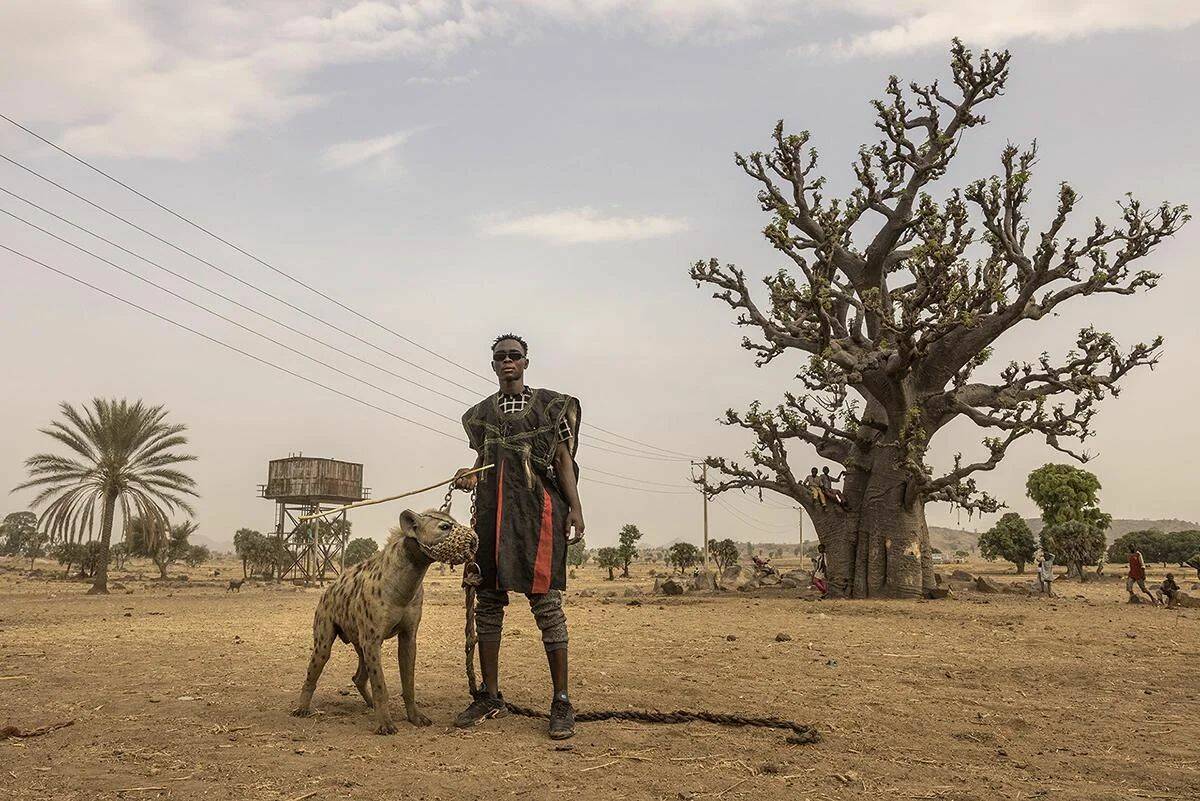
[514,338]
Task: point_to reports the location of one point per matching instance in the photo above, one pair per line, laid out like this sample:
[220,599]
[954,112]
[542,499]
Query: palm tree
[120,454]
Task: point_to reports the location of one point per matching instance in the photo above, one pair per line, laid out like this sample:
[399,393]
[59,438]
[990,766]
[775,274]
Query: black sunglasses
[501,356]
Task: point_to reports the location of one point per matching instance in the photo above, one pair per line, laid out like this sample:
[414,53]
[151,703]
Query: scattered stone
[671,587]
[731,637]
[634,602]
[789,584]
[832,663]
[1131,635]
[730,574]
[984,584]
[633,592]
[783,637]
[961,575]
[938,593]
[565,747]
[751,584]
[1187,601]
[705,581]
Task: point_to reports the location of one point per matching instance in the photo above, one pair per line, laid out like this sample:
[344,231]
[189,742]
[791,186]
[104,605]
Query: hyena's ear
[410,521]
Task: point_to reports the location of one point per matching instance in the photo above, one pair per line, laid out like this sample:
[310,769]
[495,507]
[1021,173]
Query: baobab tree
[893,300]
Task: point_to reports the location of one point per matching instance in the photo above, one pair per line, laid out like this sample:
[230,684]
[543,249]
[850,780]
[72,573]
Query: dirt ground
[182,691]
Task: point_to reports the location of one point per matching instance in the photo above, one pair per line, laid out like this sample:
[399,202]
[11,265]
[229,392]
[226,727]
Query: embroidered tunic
[521,511]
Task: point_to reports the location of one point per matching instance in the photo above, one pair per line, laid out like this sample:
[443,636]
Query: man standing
[820,570]
[1045,572]
[527,513]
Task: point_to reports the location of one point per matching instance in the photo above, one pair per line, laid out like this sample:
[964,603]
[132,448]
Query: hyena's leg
[360,677]
[383,716]
[322,644]
[406,653]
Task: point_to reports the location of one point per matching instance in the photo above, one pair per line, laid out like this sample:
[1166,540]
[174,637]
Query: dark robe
[521,511]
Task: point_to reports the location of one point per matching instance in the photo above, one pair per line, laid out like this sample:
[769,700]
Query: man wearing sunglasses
[527,513]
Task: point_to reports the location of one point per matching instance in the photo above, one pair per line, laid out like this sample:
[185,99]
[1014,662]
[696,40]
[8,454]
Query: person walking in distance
[1137,575]
[527,513]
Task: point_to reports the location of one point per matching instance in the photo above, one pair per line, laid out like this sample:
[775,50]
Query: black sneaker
[562,719]
[483,707]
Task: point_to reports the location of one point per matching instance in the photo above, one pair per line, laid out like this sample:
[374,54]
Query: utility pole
[704,475]
[800,511]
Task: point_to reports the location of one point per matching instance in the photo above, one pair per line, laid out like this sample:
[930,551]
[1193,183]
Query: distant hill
[950,540]
[1122,527]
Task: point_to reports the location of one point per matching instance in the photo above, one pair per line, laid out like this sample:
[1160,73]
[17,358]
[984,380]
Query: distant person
[1168,592]
[813,482]
[819,572]
[1137,575]
[827,482]
[1045,573]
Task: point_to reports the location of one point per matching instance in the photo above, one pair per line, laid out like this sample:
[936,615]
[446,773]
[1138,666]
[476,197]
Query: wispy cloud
[584,225]
[912,25]
[442,80]
[379,152]
[136,78]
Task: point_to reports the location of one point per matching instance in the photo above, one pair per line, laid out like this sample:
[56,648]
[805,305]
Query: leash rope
[801,733]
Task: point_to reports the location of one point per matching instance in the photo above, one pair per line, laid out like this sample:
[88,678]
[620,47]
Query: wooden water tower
[303,485]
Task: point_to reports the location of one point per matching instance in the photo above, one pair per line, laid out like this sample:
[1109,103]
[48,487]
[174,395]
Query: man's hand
[574,521]
[465,482]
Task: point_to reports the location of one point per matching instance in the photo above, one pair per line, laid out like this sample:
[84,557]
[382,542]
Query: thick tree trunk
[1020,567]
[879,545]
[100,574]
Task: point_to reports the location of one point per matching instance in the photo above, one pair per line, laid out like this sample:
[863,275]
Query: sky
[454,170]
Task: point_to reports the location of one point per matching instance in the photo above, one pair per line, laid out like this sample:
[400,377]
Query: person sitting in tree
[1168,592]
[827,482]
[1136,575]
[815,487]
[527,513]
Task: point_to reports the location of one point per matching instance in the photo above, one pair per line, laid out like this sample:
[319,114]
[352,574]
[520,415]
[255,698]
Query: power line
[228,274]
[244,252]
[201,286]
[271,267]
[233,348]
[585,477]
[231,321]
[745,519]
[639,480]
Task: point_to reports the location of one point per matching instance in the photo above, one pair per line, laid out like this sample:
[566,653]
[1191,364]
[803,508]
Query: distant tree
[197,555]
[164,547]
[577,553]
[119,554]
[936,550]
[1009,539]
[961,555]
[1181,546]
[627,547]
[16,528]
[244,545]
[34,546]
[724,552]
[359,549]
[1073,525]
[609,557]
[67,554]
[1077,543]
[120,455]
[683,555]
